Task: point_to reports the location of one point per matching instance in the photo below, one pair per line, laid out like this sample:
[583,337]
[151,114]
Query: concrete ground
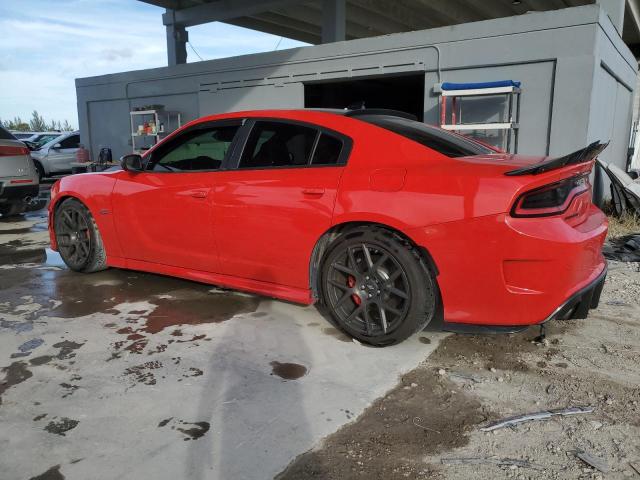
[128,375]
[122,374]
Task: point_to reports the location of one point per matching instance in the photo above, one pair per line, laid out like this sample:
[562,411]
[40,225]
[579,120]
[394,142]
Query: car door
[60,159]
[270,209]
[163,215]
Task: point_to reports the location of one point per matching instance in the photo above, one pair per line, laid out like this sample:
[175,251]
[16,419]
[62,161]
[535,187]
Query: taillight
[10,151]
[552,199]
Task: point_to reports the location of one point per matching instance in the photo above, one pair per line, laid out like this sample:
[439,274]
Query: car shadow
[253,400]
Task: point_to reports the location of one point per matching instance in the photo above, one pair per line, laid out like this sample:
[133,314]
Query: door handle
[199,193]
[313,192]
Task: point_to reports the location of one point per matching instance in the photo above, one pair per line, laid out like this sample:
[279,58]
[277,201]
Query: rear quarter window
[441,141]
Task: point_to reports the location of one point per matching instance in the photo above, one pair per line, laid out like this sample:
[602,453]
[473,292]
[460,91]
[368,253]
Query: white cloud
[44,48]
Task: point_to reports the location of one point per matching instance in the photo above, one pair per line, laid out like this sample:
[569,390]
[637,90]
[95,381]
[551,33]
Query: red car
[384,221]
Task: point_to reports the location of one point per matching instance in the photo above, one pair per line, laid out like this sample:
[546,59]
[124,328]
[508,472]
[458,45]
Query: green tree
[37,123]
[15,124]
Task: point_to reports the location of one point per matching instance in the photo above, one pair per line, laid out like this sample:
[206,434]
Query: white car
[18,178]
[56,156]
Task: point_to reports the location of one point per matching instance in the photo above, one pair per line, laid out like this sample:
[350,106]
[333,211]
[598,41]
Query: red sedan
[385,222]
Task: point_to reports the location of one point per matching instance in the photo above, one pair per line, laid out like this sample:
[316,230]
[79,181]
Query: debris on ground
[623,249]
[593,461]
[490,461]
[625,191]
[529,417]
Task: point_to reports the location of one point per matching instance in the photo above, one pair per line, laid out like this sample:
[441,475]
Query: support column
[177,38]
[615,10]
[334,21]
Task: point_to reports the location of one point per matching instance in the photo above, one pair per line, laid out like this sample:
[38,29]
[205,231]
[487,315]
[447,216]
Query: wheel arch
[340,229]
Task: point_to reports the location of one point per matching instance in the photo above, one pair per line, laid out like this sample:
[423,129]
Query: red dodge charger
[385,222]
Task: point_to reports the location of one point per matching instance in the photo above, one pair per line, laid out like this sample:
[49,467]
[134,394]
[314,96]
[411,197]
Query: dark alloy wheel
[376,287]
[78,239]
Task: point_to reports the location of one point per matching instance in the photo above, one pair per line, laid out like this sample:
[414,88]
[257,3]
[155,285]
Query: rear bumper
[579,304]
[500,271]
[575,307]
[17,193]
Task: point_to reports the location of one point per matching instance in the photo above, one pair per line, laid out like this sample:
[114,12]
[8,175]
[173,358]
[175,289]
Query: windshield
[441,141]
[42,139]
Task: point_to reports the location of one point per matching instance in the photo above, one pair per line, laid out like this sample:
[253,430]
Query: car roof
[356,112]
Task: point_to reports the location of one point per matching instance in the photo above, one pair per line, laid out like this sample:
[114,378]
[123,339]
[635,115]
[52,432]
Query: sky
[45,45]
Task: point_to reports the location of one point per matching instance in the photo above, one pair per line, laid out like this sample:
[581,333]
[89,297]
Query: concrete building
[576,65]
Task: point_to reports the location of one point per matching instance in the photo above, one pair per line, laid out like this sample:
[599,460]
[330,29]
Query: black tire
[79,241]
[39,169]
[383,275]
[12,209]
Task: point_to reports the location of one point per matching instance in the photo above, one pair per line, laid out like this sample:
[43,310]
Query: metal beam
[177,38]
[279,30]
[334,20]
[615,10]
[356,27]
[222,10]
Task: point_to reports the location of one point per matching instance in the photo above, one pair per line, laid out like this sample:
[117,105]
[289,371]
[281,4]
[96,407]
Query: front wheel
[377,287]
[79,241]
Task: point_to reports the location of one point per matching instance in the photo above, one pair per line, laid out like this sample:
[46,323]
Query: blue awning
[476,85]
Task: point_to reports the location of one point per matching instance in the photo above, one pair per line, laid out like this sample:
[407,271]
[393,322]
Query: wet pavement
[123,374]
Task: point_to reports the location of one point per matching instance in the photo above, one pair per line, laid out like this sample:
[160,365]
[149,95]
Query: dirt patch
[437,411]
[502,352]
[426,413]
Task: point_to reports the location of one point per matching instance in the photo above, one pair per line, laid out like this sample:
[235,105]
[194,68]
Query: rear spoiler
[583,155]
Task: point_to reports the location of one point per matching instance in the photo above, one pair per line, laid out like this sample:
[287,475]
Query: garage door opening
[405,93]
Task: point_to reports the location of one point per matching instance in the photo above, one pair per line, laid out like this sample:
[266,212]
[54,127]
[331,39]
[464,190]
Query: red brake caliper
[351,282]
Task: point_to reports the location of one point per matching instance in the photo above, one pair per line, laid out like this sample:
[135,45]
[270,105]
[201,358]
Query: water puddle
[62,426]
[288,371]
[190,430]
[15,374]
[191,307]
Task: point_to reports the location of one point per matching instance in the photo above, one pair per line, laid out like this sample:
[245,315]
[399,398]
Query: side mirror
[57,146]
[131,163]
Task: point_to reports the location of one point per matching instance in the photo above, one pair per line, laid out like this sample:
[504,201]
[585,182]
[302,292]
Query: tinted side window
[278,144]
[327,150]
[439,140]
[200,149]
[72,142]
[5,135]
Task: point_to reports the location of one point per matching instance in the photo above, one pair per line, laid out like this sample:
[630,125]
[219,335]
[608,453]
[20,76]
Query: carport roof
[303,19]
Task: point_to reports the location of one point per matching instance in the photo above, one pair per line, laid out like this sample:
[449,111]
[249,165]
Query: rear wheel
[39,169]
[79,241]
[11,209]
[376,287]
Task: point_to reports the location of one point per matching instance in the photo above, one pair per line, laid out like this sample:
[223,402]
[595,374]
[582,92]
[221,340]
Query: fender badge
[104,211]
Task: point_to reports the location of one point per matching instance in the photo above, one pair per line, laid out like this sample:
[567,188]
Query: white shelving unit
[147,140]
[455,122]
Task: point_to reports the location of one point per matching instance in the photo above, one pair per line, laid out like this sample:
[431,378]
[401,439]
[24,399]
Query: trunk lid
[518,165]
[15,161]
